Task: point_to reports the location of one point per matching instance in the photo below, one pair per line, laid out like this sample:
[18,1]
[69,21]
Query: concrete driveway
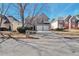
[48,44]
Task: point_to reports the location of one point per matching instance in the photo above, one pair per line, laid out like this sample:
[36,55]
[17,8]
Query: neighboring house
[5,22]
[57,23]
[77,17]
[72,22]
[15,23]
[75,22]
[38,21]
[68,22]
[9,22]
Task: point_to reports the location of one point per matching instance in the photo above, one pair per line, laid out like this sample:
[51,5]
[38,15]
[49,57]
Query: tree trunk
[1,21]
[2,9]
[22,16]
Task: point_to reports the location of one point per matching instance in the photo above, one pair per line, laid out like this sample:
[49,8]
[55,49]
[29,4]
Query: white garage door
[42,28]
[46,28]
[39,28]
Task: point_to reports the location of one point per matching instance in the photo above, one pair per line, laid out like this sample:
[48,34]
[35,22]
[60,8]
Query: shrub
[3,29]
[59,29]
[29,28]
[23,29]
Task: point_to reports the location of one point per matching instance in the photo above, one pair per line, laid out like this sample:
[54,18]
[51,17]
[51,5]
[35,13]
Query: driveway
[48,44]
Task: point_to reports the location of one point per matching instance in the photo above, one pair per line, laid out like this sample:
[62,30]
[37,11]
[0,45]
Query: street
[48,44]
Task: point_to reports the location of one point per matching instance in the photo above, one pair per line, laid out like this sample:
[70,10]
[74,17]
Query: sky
[52,10]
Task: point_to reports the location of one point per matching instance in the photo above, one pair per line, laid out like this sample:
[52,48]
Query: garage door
[46,28]
[39,28]
[42,28]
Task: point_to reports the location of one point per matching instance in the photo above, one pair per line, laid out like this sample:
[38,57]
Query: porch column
[69,24]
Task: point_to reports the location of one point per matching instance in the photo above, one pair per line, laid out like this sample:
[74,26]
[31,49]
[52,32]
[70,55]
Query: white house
[57,23]
[54,24]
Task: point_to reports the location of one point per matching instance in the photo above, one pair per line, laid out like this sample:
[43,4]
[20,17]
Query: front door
[9,28]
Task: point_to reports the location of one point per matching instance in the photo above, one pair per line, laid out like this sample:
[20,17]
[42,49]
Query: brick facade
[70,20]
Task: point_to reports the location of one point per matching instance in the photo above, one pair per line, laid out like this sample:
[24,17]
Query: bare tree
[3,11]
[34,13]
[22,8]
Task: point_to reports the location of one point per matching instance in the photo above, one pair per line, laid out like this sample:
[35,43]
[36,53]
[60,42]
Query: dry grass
[17,35]
[71,33]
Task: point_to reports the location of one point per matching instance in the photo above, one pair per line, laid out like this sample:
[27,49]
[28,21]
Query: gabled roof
[67,17]
[4,17]
[77,16]
[9,19]
[73,18]
[7,22]
[14,18]
[36,19]
[53,20]
[44,15]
